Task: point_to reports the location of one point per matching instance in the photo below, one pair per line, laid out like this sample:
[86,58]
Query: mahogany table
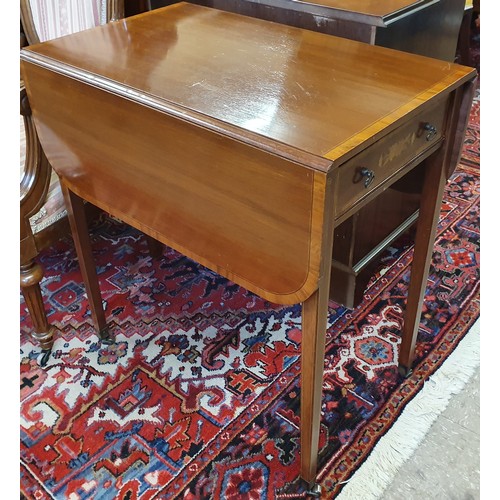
[242,144]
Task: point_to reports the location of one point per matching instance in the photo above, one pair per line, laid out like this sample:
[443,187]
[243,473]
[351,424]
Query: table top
[219,134]
[304,93]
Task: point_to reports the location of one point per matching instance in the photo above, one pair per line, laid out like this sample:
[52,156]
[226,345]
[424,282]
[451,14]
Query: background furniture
[468,30]
[464,35]
[133,7]
[427,27]
[43,214]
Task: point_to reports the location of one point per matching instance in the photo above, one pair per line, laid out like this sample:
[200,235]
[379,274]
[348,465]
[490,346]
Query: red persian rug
[199,396]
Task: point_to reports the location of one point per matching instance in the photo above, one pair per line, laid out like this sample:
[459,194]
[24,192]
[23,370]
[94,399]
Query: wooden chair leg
[79,229]
[31,275]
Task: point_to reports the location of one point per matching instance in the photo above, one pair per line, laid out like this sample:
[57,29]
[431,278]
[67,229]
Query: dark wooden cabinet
[426,27]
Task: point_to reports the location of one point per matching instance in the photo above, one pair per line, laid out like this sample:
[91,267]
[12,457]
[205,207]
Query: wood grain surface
[302,90]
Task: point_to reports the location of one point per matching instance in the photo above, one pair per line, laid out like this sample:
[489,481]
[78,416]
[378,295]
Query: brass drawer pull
[432,131]
[368,174]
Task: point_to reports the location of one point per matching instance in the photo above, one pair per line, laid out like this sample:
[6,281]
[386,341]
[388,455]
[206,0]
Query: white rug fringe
[401,441]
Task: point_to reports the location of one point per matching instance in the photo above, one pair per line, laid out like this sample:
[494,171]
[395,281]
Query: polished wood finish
[156,195]
[34,187]
[239,152]
[31,275]
[314,324]
[291,91]
[79,228]
[384,159]
[427,27]
[364,234]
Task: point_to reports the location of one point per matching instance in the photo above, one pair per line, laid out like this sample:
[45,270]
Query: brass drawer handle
[368,174]
[432,131]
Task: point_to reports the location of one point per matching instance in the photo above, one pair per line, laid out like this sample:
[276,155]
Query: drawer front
[363,173]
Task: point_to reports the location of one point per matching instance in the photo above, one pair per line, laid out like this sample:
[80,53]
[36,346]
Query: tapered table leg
[438,168]
[430,206]
[79,230]
[314,323]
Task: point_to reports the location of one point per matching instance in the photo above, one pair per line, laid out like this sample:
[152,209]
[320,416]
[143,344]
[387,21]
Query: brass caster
[405,371]
[106,337]
[314,492]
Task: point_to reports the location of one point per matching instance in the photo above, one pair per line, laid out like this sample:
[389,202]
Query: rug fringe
[402,440]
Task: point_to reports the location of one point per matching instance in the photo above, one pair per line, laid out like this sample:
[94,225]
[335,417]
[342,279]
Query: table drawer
[362,174]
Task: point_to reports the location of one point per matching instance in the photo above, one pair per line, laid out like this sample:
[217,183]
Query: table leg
[314,323]
[430,207]
[79,230]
